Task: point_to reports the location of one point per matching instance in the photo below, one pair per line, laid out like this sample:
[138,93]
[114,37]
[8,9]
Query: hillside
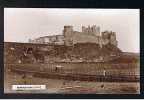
[29,53]
[91,51]
[127,57]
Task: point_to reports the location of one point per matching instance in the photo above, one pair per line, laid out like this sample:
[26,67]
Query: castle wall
[80,37]
[104,41]
[95,30]
[113,39]
[109,37]
[57,39]
[68,33]
[87,35]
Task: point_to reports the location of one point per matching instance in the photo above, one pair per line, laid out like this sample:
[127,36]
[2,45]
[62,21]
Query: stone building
[55,39]
[94,29]
[90,34]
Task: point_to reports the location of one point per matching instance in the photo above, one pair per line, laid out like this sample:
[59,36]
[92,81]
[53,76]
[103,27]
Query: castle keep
[90,34]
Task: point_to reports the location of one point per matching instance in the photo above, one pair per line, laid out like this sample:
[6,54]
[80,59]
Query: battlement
[90,34]
[91,29]
[68,28]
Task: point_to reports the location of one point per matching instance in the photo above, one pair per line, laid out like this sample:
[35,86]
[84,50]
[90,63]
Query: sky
[22,24]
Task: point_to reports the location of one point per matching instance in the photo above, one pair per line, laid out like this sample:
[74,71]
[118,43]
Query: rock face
[41,53]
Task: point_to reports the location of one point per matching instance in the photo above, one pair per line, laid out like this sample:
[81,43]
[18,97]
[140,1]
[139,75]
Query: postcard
[71,51]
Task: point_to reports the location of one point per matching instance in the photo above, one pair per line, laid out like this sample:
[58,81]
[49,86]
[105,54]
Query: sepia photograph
[71,51]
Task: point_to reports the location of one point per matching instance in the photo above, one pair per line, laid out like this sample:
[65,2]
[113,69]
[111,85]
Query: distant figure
[64,83]
[102,86]
[104,73]
[24,78]
[19,61]
[56,69]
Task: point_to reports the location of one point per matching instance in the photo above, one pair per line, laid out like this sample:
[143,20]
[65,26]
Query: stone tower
[113,40]
[95,30]
[83,29]
[68,33]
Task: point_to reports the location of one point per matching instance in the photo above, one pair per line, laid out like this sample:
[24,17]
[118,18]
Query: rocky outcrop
[38,53]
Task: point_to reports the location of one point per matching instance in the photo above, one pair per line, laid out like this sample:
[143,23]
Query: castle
[87,35]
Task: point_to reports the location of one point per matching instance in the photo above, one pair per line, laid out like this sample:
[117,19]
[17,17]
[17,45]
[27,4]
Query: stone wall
[79,37]
[89,35]
[56,39]
[93,29]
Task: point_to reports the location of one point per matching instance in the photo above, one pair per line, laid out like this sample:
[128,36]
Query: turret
[113,40]
[92,30]
[97,31]
[68,33]
[83,29]
[68,29]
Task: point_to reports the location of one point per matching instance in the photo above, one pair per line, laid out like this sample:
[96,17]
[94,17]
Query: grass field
[74,87]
